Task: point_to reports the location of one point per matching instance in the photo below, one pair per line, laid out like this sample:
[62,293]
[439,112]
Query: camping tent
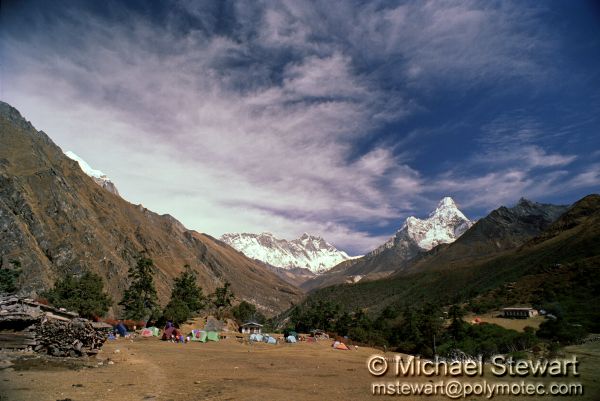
[212,336]
[198,335]
[171,333]
[155,331]
[256,337]
[340,345]
[270,340]
[150,332]
[146,333]
[290,339]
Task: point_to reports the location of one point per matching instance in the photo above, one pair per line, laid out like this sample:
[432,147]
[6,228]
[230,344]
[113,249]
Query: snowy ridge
[98,176]
[310,252]
[443,226]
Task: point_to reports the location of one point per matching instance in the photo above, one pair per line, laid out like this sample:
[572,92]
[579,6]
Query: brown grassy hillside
[54,220]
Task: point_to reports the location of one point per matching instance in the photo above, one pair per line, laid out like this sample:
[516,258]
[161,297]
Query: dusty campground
[148,369]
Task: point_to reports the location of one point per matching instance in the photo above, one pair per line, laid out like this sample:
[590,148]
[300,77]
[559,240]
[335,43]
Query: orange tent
[339,345]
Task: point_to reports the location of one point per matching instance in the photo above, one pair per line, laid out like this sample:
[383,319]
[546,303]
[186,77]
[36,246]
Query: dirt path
[148,369]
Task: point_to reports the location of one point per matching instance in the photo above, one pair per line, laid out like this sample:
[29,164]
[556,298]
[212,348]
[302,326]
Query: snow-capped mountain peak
[98,176]
[443,226]
[307,251]
[447,208]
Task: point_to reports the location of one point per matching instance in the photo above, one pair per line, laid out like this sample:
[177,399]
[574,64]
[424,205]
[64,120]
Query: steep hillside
[571,244]
[55,220]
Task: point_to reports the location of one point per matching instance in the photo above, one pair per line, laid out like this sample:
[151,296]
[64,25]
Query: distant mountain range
[307,252]
[443,226]
[529,254]
[55,220]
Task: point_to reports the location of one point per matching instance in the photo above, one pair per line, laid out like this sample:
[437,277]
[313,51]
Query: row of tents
[204,336]
[265,338]
[196,335]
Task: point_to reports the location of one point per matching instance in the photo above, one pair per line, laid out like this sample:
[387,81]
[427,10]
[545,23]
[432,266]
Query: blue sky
[335,118]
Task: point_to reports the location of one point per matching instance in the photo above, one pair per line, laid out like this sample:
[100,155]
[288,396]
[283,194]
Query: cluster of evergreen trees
[86,295]
[424,330]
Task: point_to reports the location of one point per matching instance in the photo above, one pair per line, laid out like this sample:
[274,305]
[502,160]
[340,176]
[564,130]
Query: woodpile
[25,324]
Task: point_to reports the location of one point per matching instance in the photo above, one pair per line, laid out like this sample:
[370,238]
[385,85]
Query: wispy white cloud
[259,126]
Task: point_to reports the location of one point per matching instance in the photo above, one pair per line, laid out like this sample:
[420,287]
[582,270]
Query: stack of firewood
[27,324]
[74,337]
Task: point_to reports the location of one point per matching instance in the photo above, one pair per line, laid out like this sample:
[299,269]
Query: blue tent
[270,340]
[290,339]
[256,337]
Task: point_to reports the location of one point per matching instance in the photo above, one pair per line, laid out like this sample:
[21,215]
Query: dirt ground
[148,369]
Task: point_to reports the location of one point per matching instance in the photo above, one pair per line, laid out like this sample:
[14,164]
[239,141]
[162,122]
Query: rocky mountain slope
[55,220]
[444,225]
[98,176]
[307,252]
[535,260]
[502,229]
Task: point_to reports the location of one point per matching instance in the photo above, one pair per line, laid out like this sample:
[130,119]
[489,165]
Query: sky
[339,119]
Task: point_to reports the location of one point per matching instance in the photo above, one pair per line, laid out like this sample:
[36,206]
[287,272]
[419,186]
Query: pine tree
[186,297]
[186,289]
[139,300]
[222,296]
[457,329]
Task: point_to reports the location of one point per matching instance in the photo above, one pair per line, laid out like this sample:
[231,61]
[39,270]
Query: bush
[176,311]
[561,332]
[245,311]
[84,294]
[8,277]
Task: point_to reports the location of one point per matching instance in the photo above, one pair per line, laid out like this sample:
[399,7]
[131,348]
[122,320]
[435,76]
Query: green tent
[198,335]
[155,331]
[212,336]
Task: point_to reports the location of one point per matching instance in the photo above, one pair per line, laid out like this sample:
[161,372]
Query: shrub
[176,311]
[84,294]
[9,276]
[245,311]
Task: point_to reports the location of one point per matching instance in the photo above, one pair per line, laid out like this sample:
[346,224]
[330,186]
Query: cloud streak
[283,117]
